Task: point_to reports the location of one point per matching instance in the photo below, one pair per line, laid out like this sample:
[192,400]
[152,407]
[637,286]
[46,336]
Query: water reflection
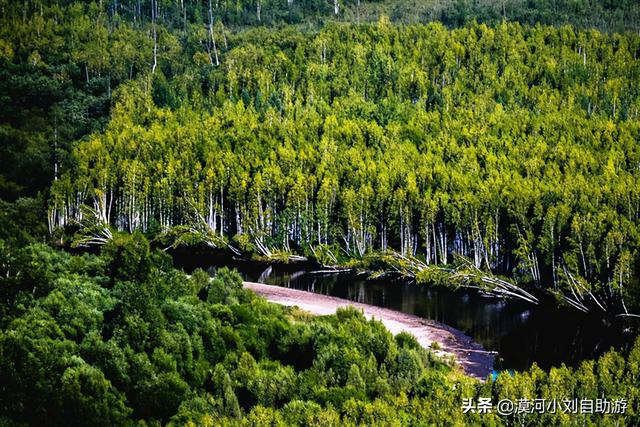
[521,333]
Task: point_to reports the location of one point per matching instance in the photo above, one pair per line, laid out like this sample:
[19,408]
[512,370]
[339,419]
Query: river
[520,332]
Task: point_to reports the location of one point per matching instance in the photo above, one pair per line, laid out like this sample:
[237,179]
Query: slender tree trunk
[224,38]
[213,39]
[184,16]
[155,37]
[109,204]
[221,210]
[55,149]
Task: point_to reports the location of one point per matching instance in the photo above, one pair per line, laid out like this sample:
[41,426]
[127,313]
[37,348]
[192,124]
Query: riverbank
[470,356]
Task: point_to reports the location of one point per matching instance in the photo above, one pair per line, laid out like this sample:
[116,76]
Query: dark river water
[521,333]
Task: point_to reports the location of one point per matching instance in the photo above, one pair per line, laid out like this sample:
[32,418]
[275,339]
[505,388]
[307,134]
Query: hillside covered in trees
[514,147]
[495,141]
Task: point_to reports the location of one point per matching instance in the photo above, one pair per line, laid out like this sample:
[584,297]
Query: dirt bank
[472,358]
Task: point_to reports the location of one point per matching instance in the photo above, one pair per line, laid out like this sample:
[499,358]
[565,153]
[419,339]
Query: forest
[514,148]
[123,338]
[489,144]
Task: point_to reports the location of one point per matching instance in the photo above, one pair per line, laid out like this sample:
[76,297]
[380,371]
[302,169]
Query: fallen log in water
[492,286]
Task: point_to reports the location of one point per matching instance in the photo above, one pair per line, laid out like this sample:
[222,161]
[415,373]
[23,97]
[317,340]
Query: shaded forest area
[603,15]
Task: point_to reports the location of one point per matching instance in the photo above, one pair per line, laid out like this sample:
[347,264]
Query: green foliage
[512,145]
[160,347]
[22,222]
[127,257]
[89,398]
[403,141]
[341,141]
[122,336]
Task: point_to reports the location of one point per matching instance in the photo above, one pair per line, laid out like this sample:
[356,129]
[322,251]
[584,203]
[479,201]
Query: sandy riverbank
[471,357]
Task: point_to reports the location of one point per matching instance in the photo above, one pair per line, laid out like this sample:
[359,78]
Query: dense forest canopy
[512,146]
[60,60]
